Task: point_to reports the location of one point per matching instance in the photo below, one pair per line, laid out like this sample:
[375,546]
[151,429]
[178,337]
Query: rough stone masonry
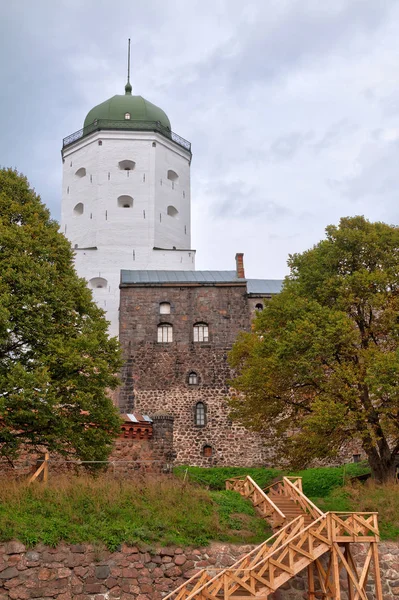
[87,572]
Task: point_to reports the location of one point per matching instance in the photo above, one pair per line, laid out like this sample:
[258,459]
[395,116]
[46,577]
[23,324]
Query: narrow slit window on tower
[165,333]
[200,414]
[201,332]
[164,308]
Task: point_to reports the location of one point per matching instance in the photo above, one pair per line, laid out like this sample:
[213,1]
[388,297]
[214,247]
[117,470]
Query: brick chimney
[240,265]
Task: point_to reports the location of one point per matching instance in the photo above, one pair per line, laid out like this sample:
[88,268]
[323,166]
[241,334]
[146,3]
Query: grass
[320,481]
[317,482]
[368,497]
[165,511]
[215,477]
[169,510]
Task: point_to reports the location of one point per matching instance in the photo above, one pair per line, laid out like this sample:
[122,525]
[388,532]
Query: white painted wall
[108,237]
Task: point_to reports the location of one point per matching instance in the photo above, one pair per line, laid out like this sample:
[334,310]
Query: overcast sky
[292,107]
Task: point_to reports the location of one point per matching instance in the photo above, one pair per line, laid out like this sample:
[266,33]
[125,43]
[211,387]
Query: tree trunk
[383,468]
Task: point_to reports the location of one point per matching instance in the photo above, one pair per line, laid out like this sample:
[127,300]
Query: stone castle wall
[86,572]
[156,375]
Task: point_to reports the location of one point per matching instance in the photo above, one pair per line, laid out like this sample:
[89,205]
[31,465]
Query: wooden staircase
[290,509]
[303,534]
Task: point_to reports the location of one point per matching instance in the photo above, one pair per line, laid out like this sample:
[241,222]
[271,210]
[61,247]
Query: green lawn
[165,511]
[192,508]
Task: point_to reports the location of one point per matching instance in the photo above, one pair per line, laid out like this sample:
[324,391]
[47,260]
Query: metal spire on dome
[128,87]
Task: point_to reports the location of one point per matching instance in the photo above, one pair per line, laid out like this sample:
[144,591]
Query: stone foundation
[86,572]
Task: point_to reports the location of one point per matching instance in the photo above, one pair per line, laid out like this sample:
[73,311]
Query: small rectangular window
[201,333]
[165,334]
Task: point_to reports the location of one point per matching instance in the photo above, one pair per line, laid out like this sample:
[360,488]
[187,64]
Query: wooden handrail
[274,506]
[248,479]
[309,504]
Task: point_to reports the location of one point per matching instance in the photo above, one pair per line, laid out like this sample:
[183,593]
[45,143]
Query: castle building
[176,330]
[126,211]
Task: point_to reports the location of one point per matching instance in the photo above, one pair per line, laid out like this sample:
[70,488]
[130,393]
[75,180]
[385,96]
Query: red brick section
[240,265]
[84,572]
[150,450]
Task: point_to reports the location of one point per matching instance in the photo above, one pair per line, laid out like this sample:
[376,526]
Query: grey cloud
[285,35]
[377,177]
[333,134]
[236,200]
[287,146]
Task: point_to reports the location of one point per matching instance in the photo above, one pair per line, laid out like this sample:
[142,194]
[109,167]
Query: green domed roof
[139,109]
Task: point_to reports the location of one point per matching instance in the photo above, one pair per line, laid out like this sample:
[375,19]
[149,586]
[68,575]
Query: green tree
[321,365]
[56,359]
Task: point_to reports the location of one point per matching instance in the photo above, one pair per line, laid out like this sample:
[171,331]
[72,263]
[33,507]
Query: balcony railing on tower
[126,125]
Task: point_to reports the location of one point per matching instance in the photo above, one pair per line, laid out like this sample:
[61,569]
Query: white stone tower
[126,196]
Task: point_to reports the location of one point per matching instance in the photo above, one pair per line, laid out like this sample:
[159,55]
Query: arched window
[98,283]
[259,306]
[164,308]
[200,414]
[127,116]
[79,209]
[201,332]
[192,378]
[81,172]
[172,211]
[207,451]
[165,333]
[125,202]
[173,176]
[126,165]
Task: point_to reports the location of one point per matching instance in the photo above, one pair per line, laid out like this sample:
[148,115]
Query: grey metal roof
[179,277]
[264,286]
